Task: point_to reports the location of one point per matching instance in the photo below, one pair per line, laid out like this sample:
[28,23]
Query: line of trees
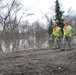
[14,28]
[17,34]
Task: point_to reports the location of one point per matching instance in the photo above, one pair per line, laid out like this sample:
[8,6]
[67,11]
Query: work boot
[58,47]
[62,49]
[54,48]
[70,48]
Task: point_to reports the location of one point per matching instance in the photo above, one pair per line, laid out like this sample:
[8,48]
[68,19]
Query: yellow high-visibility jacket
[67,30]
[56,31]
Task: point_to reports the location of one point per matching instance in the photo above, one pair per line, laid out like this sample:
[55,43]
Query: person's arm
[68,32]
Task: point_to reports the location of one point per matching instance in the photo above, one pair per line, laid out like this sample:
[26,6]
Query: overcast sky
[40,7]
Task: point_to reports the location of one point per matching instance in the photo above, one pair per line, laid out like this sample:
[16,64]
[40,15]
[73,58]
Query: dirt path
[38,62]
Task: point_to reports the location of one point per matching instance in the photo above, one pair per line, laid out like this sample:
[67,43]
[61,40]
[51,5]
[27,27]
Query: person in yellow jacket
[56,33]
[67,36]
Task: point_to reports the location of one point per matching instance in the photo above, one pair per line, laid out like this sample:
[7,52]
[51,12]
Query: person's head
[54,25]
[66,24]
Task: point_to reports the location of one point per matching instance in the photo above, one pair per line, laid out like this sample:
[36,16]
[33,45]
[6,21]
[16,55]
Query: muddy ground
[39,62]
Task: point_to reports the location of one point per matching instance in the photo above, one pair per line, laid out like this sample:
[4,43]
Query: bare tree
[10,21]
[50,15]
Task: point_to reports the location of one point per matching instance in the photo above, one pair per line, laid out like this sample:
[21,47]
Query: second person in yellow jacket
[67,36]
